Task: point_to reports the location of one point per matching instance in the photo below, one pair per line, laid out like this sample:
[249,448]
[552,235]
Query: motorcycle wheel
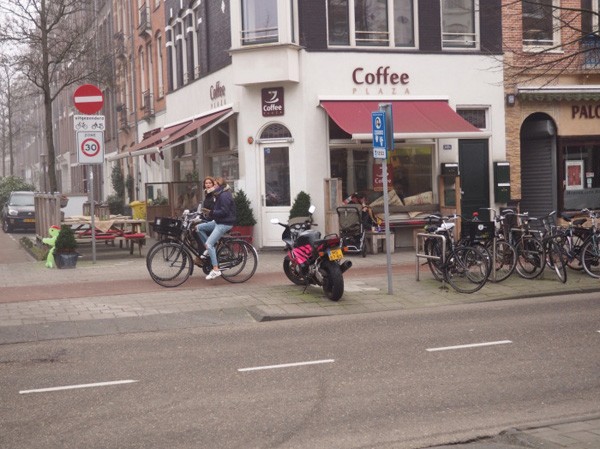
[291,274]
[333,280]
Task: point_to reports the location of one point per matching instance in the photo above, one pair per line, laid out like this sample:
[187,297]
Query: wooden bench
[130,239]
[405,222]
[373,239]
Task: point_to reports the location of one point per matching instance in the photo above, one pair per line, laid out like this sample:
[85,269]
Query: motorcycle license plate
[335,254]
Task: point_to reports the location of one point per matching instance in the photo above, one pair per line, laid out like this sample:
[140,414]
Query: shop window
[540,26]
[459,24]
[368,23]
[410,171]
[259,22]
[581,178]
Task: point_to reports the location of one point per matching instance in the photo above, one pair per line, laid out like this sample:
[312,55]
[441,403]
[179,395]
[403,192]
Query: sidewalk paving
[115,295]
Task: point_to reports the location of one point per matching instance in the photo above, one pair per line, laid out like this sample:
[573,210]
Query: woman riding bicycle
[222,218]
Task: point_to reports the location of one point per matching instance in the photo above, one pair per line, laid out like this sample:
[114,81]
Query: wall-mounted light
[511,99]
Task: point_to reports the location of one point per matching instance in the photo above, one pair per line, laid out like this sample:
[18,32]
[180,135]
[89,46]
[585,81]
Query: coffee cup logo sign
[272,101]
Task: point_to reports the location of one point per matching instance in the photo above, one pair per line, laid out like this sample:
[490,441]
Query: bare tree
[7,76]
[56,48]
[533,53]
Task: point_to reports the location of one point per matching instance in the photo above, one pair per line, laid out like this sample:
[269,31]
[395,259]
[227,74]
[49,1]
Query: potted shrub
[245,221]
[65,254]
[300,205]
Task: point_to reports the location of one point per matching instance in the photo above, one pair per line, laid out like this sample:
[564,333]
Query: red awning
[193,126]
[412,119]
[156,138]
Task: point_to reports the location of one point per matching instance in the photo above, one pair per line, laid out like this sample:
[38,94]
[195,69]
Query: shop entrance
[275,182]
[538,162]
[474,177]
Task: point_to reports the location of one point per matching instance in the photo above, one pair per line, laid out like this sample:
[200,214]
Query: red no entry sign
[88,99]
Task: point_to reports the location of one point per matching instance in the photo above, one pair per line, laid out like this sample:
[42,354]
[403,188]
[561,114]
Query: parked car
[18,212]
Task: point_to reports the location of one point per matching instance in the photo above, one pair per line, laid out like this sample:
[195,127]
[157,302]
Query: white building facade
[291,106]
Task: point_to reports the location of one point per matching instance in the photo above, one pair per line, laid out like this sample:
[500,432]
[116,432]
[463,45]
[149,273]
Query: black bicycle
[465,268]
[171,261]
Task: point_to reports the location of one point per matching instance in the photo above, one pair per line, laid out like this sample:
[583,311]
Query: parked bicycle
[465,268]
[170,261]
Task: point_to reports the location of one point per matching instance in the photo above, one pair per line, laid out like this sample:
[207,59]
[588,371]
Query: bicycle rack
[420,250]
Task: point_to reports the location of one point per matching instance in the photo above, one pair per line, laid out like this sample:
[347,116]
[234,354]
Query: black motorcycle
[312,260]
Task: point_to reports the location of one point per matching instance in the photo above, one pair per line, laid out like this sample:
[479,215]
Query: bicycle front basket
[168,226]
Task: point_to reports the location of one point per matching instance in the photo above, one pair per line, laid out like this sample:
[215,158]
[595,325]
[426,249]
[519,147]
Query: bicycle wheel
[590,257]
[531,258]
[169,264]
[573,247]
[433,247]
[467,269]
[238,260]
[505,260]
[556,259]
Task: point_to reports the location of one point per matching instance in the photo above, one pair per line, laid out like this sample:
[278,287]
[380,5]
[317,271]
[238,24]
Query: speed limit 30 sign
[90,147]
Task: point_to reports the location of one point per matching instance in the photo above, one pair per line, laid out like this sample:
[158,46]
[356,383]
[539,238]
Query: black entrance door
[474,177]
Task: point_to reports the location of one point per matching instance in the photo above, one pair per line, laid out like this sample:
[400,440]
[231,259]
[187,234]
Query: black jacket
[223,211]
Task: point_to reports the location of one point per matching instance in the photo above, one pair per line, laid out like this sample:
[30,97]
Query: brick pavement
[115,295]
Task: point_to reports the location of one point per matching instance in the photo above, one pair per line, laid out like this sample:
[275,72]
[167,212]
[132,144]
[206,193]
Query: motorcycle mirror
[275,220]
[185,212]
[311,209]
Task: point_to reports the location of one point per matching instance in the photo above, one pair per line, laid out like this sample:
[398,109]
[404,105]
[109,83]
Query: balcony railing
[123,118]
[119,44]
[145,24]
[147,105]
[590,46]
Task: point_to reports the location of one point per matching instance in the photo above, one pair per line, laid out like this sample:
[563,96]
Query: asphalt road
[395,380]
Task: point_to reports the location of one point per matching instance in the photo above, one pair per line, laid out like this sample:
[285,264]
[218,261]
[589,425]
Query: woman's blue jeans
[210,233]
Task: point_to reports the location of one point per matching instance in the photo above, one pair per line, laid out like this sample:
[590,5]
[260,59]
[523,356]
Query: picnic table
[115,228]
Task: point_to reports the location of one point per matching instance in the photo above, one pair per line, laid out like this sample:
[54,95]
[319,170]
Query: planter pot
[66,260]
[244,232]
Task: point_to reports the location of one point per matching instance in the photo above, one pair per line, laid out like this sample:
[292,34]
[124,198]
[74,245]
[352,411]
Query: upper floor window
[590,17]
[259,22]
[475,116]
[539,27]
[371,23]
[459,24]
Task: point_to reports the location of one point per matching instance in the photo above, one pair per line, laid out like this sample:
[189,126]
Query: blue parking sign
[379,135]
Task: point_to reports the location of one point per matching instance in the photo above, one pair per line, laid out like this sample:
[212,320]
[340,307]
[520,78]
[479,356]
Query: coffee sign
[272,101]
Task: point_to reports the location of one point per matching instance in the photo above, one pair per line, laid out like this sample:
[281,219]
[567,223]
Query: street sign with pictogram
[88,99]
[379,135]
[90,147]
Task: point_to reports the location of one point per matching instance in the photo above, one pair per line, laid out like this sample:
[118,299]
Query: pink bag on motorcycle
[301,254]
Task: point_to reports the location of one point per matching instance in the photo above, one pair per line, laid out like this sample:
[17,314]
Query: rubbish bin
[138,209]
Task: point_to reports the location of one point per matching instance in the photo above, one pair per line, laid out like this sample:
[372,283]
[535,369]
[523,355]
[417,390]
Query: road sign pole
[386,108]
[93,213]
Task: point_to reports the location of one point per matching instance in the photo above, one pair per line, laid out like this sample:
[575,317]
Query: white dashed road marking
[74,387]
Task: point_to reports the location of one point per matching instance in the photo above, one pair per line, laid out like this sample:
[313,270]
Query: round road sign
[90,147]
[88,99]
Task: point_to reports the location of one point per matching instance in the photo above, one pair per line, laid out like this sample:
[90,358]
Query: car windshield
[21,199]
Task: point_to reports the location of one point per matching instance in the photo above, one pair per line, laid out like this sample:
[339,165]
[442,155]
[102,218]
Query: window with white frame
[540,23]
[590,17]
[259,22]
[371,23]
[159,66]
[459,24]
[475,116]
